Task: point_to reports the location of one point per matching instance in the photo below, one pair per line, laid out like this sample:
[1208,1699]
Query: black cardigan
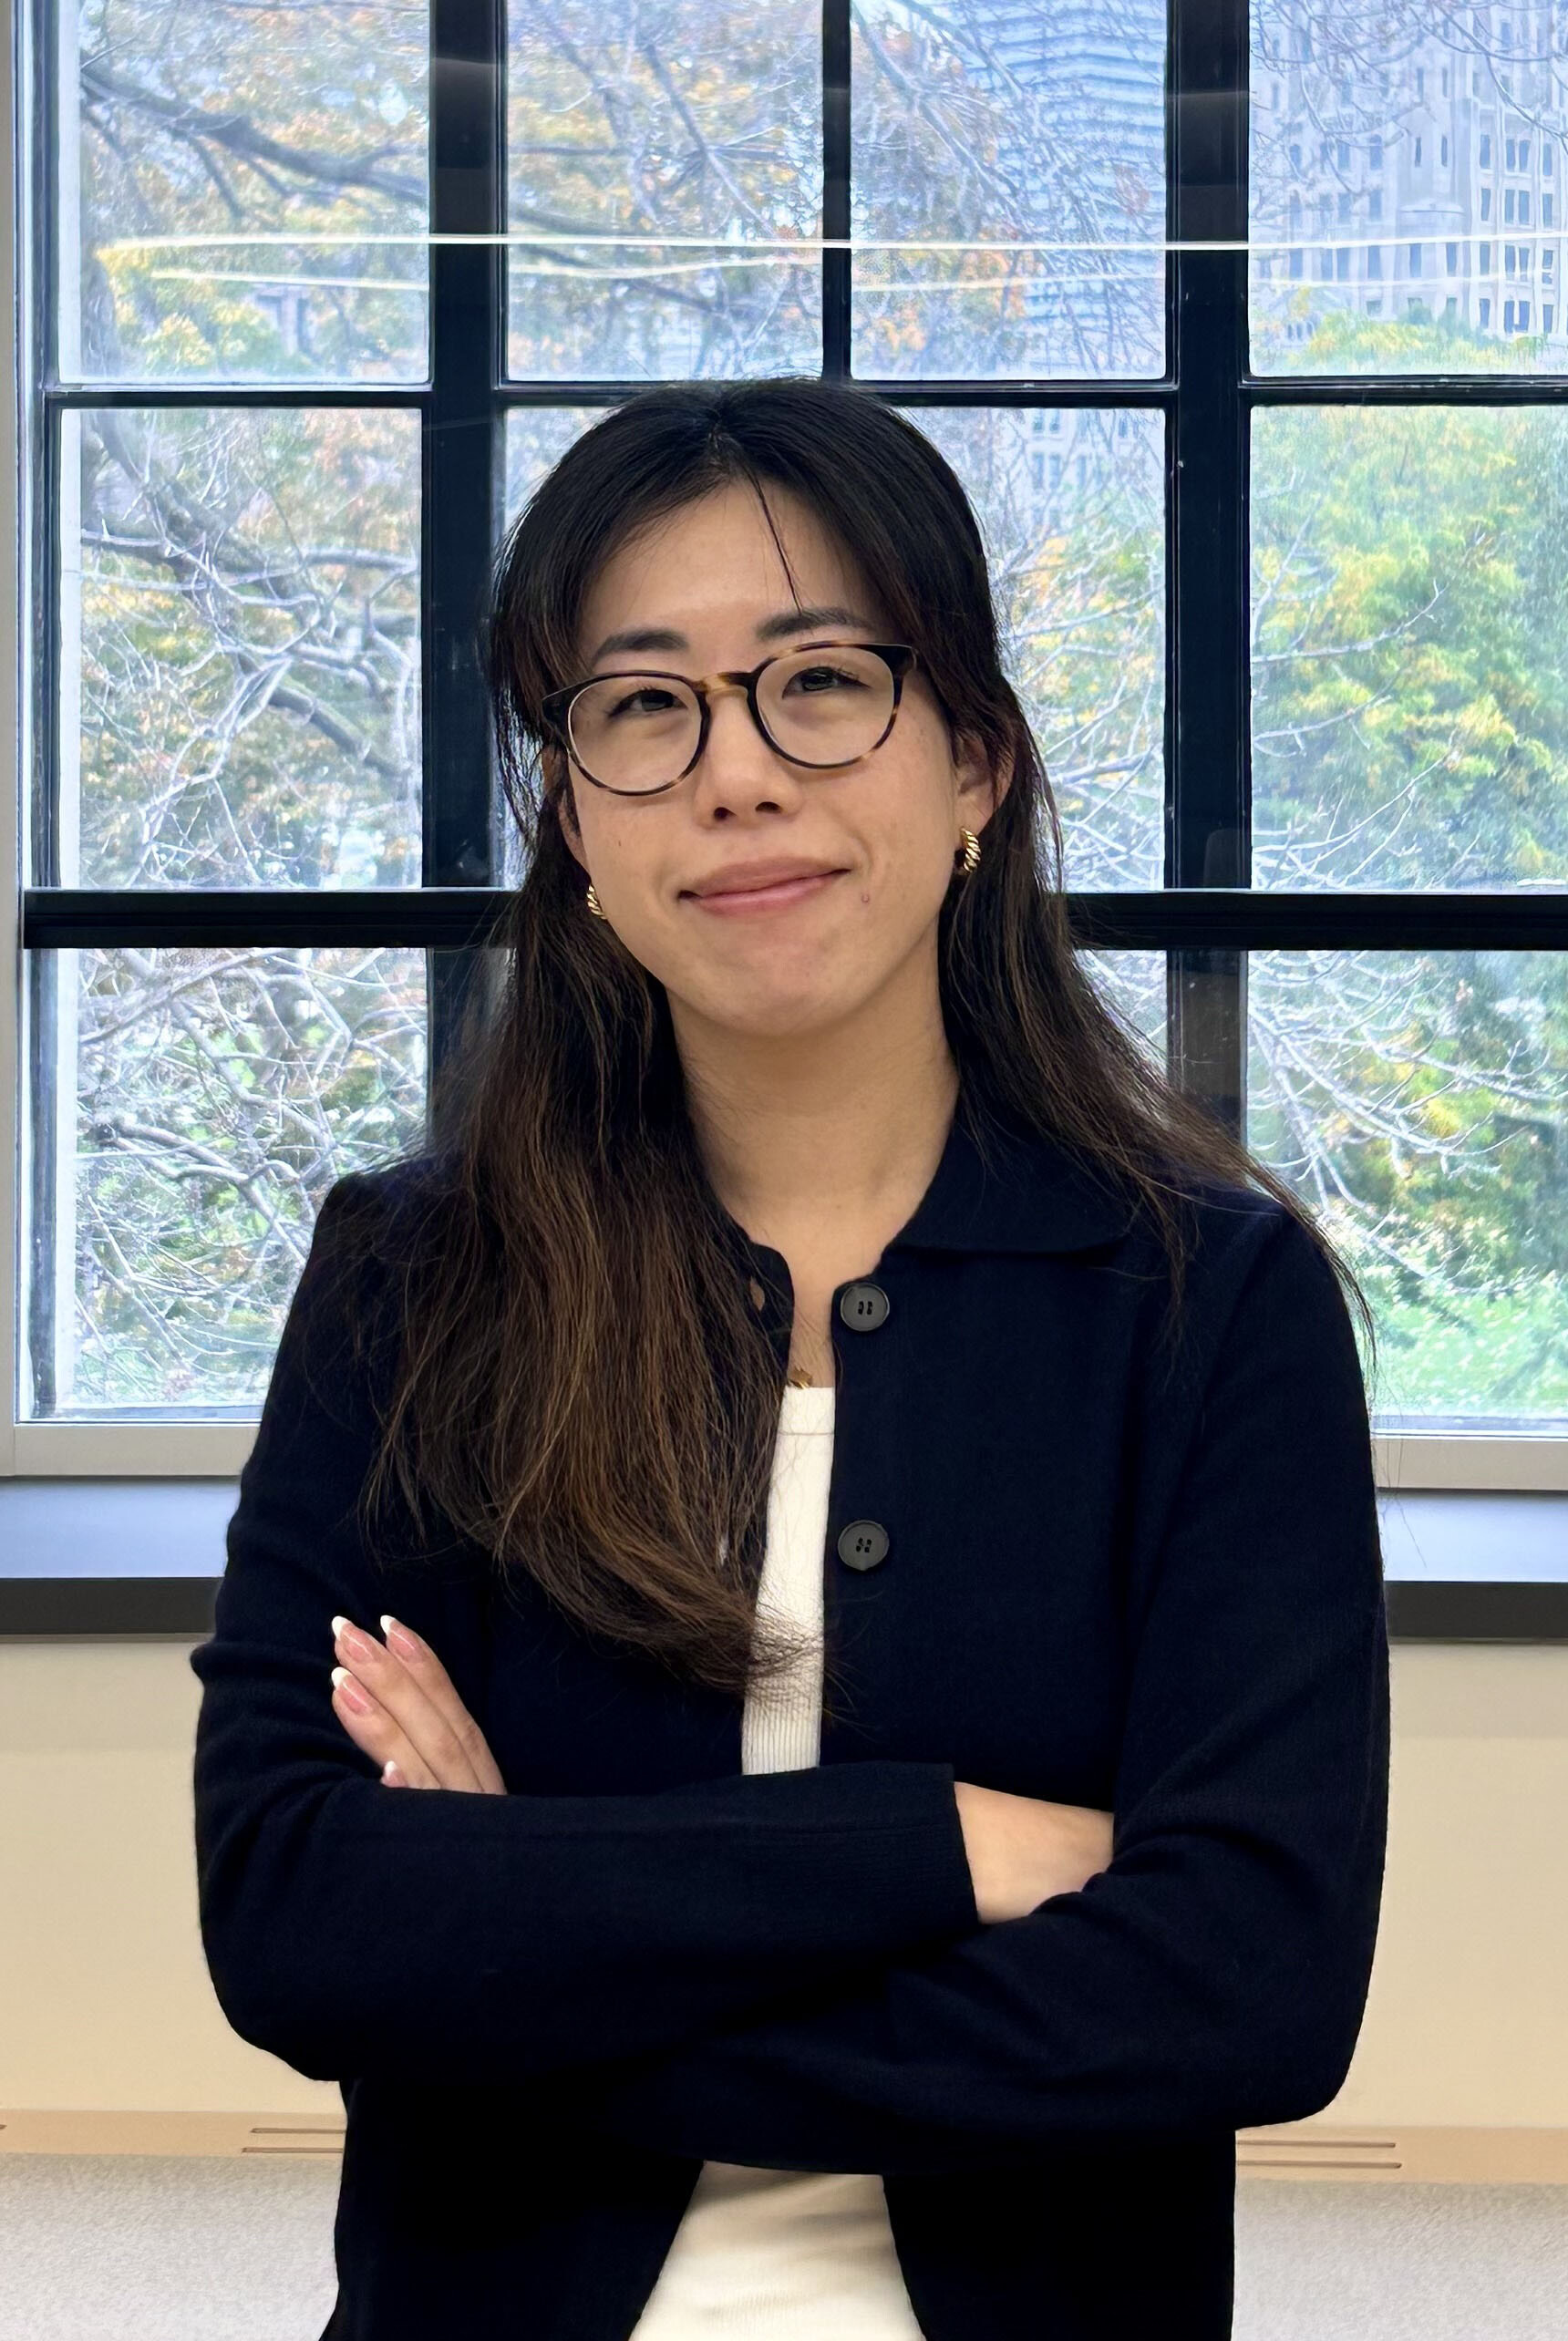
[1110,1578]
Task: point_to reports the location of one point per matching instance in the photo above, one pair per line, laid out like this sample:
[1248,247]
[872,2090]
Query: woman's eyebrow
[787,621]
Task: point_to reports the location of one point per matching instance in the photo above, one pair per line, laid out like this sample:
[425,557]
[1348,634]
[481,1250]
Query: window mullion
[1208,791]
[460,477]
[835,187]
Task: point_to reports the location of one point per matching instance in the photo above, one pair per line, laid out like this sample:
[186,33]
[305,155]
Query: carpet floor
[173,2248]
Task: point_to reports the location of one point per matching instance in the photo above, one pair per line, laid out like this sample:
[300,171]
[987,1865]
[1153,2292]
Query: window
[1418,156]
[1343,154]
[1369,428]
[1546,317]
[1443,151]
[1546,220]
[274,515]
[1524,154]
[1345,205]
[1524,207]
[1508,199]
[1548,152]
[1511,161]
[248,950]
[1375,204]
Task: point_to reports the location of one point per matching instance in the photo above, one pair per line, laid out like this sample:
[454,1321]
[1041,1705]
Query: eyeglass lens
[633,732]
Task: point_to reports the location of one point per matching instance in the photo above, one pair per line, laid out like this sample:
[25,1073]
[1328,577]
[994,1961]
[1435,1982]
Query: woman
[867,1494]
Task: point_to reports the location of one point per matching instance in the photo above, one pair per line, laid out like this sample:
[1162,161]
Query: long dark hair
[583,1385]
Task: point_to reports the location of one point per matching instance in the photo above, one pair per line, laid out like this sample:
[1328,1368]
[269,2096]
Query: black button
[864,1307]
[863,1545]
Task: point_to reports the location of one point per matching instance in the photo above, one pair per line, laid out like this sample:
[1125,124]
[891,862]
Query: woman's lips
[765,898]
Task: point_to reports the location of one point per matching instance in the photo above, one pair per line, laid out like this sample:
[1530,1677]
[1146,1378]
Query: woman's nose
[736,742]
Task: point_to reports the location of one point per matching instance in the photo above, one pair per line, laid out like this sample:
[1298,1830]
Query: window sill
[142,1556]
[218,1449]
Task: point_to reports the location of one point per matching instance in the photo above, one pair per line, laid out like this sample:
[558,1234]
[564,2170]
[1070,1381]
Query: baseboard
[1368,2150]
[1303,2150]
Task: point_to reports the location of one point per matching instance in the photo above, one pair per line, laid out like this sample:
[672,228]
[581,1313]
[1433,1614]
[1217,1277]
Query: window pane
[201,1102]
[680,125]
[1133,984]
[1072,506]
[243,190]
[1415,1100]
[240,648]
[1406,187]
[1033,139]
[536,439]
[1411,646]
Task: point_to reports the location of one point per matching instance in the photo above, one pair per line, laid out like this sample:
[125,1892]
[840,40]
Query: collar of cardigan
[1009,1191]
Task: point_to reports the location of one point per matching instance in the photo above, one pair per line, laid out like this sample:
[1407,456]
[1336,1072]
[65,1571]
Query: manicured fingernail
[398,1638]
[357,1645]
[349,1692]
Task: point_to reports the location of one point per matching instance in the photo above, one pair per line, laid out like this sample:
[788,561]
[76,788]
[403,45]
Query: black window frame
[1205,917]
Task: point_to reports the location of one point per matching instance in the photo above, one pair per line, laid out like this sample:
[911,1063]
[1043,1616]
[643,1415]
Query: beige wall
[107,2002]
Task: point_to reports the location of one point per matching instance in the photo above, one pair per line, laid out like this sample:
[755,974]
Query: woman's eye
[824,678]
[638,702]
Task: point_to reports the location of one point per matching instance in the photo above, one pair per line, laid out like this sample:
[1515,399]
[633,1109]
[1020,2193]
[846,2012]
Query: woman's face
[709,581]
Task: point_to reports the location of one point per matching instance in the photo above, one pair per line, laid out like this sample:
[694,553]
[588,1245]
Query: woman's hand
[1024,1849]
[412,1721]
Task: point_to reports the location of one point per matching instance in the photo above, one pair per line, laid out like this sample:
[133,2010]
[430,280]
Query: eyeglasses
[825,704]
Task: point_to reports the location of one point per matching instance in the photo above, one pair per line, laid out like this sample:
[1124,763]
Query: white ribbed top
[786,2255]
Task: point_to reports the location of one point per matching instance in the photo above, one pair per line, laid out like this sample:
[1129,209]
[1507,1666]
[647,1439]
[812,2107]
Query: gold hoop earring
[592,900]
[970,850]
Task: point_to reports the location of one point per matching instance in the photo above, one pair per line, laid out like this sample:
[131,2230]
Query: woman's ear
[978,774]
[555,773]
